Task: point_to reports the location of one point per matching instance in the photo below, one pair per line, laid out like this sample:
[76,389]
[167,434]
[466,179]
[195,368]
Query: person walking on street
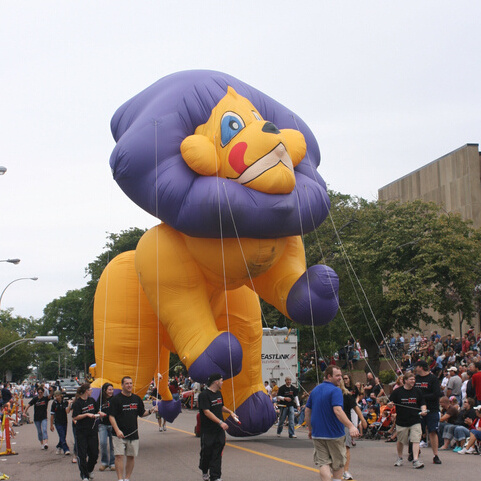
[428,383]
[58,417]
[40,404]
[325,419]
[125,408]
[410,404]
[107,457]
[85,412]
[287,399]
[212,428]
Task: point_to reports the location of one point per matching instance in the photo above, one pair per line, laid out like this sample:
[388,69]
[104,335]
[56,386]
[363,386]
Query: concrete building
[453,181]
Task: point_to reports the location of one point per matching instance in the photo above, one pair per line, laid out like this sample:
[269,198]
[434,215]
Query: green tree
[397,263]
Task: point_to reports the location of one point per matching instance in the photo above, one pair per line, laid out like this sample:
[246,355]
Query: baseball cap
[452,368]
[213,377]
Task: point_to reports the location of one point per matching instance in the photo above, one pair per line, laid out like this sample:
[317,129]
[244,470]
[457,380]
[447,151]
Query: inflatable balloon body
[232,175]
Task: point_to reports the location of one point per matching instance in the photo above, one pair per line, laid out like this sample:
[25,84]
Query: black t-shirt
[59,411]
[408,405]
[126,410]
[85,406]
[431,390]
[285,391]
[213,402]
[105,407]
[39,407]
[349,403]
[6,395]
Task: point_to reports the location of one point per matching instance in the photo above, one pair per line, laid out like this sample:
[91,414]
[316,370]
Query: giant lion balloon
[231,174]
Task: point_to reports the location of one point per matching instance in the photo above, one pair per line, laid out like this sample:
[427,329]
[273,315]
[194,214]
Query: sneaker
[347,475]
[471,450]
[399,462]
[67,453]
[293,436]
[436,460]
[91,475]
[278,435]
[410,457]
[457,448]
[423,444]
[102,467]
[58,451]
[164,428]
[112,468]
[205,477]
[418,464]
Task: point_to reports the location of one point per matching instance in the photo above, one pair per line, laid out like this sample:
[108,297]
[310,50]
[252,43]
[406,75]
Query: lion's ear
[200,155]
[296,145]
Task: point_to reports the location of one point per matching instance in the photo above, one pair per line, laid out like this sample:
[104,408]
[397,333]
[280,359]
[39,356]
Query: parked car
[68,387]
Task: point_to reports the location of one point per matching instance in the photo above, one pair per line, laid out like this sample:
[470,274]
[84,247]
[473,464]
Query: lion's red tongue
[236,157]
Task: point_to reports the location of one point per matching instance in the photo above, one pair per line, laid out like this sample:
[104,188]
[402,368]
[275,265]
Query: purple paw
[256,415]
[222,353]
[324,287]
[169,410]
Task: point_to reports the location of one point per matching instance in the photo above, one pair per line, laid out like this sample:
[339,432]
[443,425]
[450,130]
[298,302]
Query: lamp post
[9,347]
[12,261]
[16,280]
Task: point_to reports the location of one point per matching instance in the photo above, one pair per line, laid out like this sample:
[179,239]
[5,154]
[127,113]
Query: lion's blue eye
[230,125]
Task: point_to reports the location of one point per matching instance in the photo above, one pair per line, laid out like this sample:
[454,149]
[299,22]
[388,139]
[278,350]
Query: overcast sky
[386,87]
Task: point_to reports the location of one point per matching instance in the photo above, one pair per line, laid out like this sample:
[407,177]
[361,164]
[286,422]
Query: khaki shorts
[127,447]
[411,433]
[330,451]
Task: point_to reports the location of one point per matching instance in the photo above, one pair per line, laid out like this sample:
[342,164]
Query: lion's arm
[274,286]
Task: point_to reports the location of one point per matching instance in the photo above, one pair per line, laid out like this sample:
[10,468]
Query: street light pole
[9,347]
[16,280]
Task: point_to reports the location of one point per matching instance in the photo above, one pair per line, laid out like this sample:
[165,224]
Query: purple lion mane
[149,168]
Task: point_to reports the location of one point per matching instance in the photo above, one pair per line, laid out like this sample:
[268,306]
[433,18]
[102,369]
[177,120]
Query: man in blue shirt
[325,420]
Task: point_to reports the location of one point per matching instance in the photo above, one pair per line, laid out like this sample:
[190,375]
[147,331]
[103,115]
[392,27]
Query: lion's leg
[245,392]
[177,291]
[127,334]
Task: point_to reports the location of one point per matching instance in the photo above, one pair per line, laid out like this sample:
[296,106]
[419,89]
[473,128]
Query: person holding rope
[212,428]
[85,412]
[429,385]
[125,408]
[410,404]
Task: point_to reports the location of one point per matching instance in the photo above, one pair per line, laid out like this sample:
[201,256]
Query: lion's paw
[323,285]
[256,414]
[223,356]
[169,410]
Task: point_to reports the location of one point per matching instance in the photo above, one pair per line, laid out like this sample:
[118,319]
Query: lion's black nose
[270,128]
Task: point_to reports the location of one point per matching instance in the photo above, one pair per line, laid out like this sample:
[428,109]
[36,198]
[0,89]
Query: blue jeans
[461,432]
[62,435]
[286,412]
[42,432]
[107,457]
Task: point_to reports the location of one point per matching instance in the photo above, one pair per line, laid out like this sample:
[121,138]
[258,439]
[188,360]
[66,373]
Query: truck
[279,355]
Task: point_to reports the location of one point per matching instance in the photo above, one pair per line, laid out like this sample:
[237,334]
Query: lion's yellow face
[237,143]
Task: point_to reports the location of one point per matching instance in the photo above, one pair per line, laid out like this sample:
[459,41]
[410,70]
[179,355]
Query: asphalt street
[174,455]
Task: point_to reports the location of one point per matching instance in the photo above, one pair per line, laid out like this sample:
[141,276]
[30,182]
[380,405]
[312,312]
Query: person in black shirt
[409,402]
[40,404]
[58,416]
[287,399]
[125,408]
[85,411]
[107,457]
[429,385]
[212,428]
